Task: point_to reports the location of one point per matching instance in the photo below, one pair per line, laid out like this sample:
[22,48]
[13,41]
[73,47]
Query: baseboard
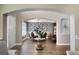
[62,44]
[12,52]
[72,52]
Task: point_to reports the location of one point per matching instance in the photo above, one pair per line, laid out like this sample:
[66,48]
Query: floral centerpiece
[40,30]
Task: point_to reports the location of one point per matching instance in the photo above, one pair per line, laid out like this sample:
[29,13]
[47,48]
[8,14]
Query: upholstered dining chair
[45,35]
[33,36]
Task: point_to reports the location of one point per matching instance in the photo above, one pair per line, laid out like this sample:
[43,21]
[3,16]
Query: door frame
[72,33]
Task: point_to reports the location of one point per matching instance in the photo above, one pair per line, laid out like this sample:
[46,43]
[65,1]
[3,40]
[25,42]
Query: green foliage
[39,30]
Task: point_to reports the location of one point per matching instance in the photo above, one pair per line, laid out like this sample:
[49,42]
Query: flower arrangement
[40,30]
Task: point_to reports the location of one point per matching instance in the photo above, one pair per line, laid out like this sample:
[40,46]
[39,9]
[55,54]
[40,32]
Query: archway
[48,14]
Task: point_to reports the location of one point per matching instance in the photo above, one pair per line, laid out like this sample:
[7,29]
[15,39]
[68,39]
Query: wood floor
[50,48]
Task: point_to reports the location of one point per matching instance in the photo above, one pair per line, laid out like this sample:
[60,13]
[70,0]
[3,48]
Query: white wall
[11,31]
[63,37]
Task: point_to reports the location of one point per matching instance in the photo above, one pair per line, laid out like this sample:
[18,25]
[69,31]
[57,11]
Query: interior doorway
[29,26]
[70,18]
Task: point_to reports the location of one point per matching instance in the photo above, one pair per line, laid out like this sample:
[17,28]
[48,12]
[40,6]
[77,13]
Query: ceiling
[51,16]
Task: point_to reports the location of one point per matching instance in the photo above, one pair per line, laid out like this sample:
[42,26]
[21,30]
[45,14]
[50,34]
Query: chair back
[45,35]
[32,34]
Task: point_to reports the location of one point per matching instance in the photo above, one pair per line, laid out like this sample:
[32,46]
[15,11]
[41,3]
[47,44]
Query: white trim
[63,43]
[57,31]
[11,28]
[72,33]
[72,52]
[12,52]
[35,9]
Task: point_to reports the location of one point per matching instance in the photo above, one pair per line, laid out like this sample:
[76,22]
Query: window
[23,28]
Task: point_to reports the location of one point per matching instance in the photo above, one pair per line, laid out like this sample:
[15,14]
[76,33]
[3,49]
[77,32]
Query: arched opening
[62,28]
